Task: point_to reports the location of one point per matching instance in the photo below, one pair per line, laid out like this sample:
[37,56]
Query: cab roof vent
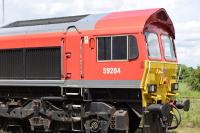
[45,21]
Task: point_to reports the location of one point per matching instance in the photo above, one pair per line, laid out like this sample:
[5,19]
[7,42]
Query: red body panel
[33,40]
[72,63]
[79,60]
[94,69]
[135,19]
[43,40]
[12,42]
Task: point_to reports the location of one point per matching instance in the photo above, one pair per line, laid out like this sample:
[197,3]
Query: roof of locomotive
[138,20]
[45,21]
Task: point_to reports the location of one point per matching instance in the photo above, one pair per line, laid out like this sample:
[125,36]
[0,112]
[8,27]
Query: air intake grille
[43,63]
[11,64]
[33,63]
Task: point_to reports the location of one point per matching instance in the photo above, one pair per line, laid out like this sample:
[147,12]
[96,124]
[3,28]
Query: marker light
[174,86]
[152,88]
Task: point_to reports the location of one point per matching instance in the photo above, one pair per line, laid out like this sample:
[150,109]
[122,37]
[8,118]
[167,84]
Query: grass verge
[186,92]
[190,120]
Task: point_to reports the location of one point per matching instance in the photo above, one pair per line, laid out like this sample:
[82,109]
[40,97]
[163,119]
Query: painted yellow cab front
[159,82]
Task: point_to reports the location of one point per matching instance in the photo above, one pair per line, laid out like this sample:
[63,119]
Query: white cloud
[188,30]
[50,8]
[189,56]
[188,42]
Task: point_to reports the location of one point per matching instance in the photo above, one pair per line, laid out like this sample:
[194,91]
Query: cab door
[73,54]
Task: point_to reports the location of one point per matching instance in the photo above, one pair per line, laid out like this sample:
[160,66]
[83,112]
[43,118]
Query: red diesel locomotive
[90,73]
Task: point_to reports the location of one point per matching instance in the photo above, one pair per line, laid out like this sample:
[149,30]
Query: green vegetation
[186,130]
[189,87]
[186,92]
[190,120]
[194,79]
[191,76]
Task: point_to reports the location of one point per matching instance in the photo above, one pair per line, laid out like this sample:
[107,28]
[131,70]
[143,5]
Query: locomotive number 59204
[111,70]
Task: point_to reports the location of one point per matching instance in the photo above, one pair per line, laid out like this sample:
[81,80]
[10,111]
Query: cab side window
[104,48]
[153,45]
[117,48]
[133,49]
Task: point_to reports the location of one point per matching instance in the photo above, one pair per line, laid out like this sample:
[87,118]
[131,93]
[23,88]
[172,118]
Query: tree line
[191,76]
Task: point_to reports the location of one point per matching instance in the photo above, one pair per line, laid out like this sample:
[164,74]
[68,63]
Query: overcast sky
[185,15]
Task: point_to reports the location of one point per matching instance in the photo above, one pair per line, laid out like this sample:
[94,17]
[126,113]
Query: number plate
[111,70]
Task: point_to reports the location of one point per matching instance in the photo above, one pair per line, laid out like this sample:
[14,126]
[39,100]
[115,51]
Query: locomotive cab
[160,79]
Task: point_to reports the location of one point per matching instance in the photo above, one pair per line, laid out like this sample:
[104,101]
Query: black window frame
[127,48]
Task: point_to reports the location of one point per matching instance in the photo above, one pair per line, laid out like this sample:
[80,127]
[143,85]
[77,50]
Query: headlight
[152,88]
[174,86]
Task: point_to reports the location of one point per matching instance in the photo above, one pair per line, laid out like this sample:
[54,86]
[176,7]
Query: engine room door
[73,54]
